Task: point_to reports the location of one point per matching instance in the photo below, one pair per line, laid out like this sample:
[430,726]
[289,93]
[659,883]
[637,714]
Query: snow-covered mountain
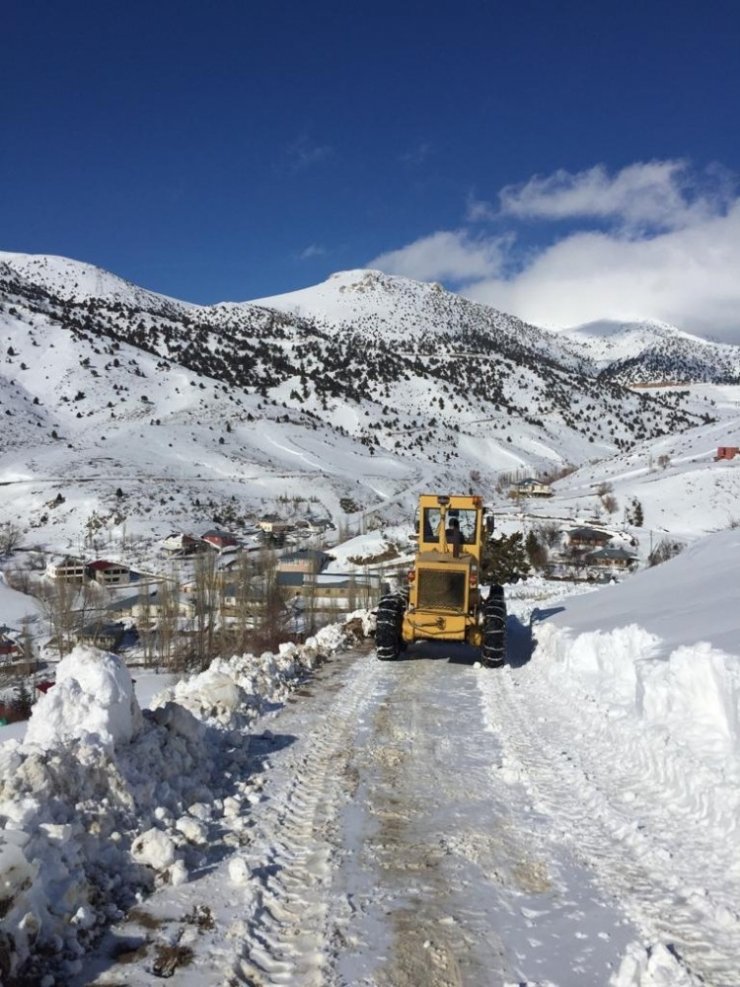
[653,353]
[361,390]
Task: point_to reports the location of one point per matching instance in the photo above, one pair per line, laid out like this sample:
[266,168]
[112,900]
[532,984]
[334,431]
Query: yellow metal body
[443,585]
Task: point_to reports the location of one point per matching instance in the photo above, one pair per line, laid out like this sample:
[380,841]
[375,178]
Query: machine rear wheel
[493,650]
[388,627]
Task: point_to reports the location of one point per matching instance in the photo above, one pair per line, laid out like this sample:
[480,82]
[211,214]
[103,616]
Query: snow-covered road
[569,820]
[393,842]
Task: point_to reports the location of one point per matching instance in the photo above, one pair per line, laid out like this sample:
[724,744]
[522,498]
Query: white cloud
[660,194]
[417,155]
[477,210]
[303,153]
[687,277]
[666,246]
[445,255]
[312,250]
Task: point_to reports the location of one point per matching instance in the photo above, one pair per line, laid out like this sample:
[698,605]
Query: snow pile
[93,701]
[103,802]
[659,677]
[654,967]
[231,691]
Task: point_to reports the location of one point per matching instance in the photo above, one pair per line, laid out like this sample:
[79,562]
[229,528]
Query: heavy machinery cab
[444,597]
[436,517]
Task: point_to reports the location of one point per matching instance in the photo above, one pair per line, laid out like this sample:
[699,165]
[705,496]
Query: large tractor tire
[493,649]
[389,618]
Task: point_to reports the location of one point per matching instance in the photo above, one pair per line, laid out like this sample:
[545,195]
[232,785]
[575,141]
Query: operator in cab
[454,536]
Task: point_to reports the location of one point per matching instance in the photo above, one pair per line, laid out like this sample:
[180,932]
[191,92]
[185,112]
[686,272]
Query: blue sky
[543,157]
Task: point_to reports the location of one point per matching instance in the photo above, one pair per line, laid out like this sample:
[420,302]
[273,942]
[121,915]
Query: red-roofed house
[220,539]
[727,452]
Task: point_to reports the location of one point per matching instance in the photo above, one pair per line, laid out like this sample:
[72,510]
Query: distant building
[727,452]
[102,634]
[220,539]
[109,573]
[68,570]
[179,544]
[304,560]
[327,589]
[532,488]
[9,649]
[272,524]
[618,558]
[312,526]
[588,538]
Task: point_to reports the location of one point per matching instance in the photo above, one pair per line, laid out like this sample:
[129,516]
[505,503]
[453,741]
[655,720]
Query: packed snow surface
[602,832]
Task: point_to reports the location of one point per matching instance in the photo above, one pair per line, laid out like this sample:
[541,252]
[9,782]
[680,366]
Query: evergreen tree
[634,514]
[536,551]
[505,560]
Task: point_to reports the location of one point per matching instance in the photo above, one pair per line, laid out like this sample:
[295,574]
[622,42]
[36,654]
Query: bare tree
[207,599]
[666,549]
[10,536]
[168,595]
[145,625]
[27,647]
[243,592]
[58,600]
[549,534]
[610,502]
[271,598]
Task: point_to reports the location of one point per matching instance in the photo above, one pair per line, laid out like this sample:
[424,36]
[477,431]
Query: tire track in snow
[286,935]
[558,748]
[452,878]
[423,863]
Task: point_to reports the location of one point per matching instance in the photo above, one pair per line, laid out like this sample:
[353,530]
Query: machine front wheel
[388,641]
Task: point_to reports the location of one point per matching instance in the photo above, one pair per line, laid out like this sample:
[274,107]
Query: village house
[311,526]
[304,560]
[272,524]
[178,545]
[9,649]
[127,606]
[616,558]
[326,590]
[232,602]
[220,540]
[532,488]
[109,573]
[67,569]
[148,608]
[727,452]
[588,538]
[105,634]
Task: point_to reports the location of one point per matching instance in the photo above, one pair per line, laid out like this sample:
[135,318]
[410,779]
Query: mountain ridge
[367,406]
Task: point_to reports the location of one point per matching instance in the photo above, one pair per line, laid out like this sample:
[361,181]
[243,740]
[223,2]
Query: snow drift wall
[677,714]
[103,802]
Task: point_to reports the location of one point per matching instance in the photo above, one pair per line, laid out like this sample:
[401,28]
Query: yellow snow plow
[443,601]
